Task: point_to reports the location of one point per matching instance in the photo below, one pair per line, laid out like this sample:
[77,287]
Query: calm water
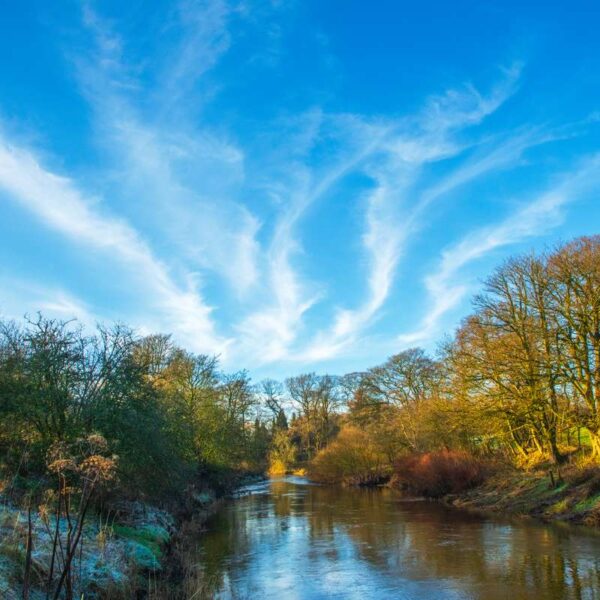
[288,539]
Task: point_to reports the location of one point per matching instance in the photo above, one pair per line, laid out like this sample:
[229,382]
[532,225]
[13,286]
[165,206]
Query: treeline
[169,417]
[520,379]
[94,426]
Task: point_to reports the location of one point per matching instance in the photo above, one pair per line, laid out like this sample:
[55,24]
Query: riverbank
[569,495]
[117,549]
[130,549]
[181,577]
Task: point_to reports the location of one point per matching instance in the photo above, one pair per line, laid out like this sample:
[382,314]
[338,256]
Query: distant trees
[316,399]
[393,399]
[273,393]
[520,377]
[404,379]
[283,453]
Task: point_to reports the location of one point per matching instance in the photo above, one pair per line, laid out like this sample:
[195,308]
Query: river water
[290,539]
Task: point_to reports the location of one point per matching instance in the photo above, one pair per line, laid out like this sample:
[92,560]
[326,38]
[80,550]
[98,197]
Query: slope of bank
[570,494]
[131,549]
[119,552]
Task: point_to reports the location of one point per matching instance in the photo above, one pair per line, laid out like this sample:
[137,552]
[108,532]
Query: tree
[272,393]
[575,307]
[317,398]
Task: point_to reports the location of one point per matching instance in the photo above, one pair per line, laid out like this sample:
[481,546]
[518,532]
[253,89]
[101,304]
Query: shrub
[435,474]
[282,454]
[353,458]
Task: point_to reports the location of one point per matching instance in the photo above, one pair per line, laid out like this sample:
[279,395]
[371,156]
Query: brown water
[289,539]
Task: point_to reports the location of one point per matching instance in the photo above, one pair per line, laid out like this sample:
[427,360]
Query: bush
[352,459]
[435,474]
[282,454]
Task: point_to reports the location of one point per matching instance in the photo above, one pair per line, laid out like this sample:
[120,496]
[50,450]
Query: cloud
[459,108]
[534,218]
[279,322]
[24,297]
[220,234]
[394,207]
[233,201]
[204,39]
[58,203]
[185,176]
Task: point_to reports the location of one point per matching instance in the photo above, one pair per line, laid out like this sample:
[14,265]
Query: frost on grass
[110,554]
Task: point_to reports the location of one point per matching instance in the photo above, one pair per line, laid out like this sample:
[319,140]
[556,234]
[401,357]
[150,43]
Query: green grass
[149,537]
[585,437]
[587,504]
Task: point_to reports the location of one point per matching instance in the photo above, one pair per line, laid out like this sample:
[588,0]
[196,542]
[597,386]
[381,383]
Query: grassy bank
[122,552]
[113,560]
[129,549]
[571,494]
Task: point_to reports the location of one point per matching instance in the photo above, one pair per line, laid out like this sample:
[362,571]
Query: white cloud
[535,217]
[185,177]
[459,108]
[290,297]
[60,205]
[394,208]
[200,195]
[205,38]
[22,297]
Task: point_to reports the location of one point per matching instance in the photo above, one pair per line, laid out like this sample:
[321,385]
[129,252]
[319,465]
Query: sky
[291,185]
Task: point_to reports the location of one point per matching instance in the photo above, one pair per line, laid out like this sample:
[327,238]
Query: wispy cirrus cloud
[395,207]
[155,153]
[25,297]
[60,205]
[280,321]
[217,175]
[186,175]
[533,217]
[204,38]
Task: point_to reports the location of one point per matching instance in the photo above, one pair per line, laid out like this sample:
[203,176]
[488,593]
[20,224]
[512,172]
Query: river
[290,539]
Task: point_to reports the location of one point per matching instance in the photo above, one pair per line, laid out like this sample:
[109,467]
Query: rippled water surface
[288,539]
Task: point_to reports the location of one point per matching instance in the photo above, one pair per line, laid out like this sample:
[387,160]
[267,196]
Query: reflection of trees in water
[227,541]
[421,540]
[403,541]
[281,497]
[426,540]
[225,551]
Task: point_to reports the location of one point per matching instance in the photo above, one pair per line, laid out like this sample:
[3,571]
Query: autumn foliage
[435,474]
[353,458]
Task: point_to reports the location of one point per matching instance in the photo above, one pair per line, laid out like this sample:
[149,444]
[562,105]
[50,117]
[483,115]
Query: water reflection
[289,539]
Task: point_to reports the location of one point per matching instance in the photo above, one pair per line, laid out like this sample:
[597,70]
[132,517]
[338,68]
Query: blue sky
[293,185]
